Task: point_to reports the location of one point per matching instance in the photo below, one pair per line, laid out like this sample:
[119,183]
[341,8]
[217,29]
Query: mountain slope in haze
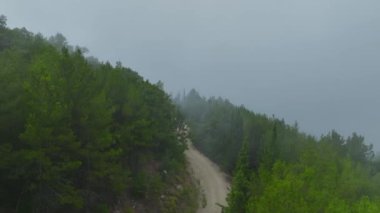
[276,168]
[78,135]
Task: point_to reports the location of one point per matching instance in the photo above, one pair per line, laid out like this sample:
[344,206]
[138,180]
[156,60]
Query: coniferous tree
[239,194]
[287,170]
[76,136]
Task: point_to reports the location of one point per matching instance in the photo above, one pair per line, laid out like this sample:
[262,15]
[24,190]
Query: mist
[314,62]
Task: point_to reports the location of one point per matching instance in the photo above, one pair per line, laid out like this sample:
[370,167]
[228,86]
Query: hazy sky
[315,62]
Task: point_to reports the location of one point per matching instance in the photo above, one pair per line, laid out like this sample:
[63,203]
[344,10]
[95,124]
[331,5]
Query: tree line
[277,168]
[77,134]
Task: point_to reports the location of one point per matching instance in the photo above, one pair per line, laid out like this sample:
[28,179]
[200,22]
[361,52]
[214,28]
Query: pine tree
[239,194]
[49,154]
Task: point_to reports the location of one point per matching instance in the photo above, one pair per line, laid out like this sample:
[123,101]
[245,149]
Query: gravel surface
[213,183]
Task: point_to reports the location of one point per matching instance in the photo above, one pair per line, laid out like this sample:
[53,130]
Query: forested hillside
[277,168]
[78,135]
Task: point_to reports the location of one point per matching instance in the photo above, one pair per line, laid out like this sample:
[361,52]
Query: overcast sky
[315,62]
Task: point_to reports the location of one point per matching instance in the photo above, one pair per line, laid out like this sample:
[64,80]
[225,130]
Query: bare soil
[214,186]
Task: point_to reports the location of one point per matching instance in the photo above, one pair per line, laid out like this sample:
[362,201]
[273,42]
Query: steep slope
[79,135]
[277,168]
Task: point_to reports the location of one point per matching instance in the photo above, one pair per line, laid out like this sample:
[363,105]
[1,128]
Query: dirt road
[214,187]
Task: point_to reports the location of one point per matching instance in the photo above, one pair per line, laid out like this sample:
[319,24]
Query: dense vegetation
[276,168]
[77,135]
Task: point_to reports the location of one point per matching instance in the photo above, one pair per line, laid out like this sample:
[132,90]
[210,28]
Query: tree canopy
[77,134]
[277,168]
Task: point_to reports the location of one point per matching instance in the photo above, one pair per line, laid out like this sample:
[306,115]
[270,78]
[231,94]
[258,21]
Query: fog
[314,62]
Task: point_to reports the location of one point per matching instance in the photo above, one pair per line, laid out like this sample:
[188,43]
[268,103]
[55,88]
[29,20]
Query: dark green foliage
[280,169]
[75,136]
[357,150]
[239,194]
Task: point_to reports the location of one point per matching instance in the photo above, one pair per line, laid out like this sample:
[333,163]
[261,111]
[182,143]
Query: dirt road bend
[213,184]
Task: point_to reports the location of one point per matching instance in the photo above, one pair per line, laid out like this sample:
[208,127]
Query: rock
[179,187]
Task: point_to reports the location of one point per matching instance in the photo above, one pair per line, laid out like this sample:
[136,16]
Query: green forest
[79,135]
[276,168]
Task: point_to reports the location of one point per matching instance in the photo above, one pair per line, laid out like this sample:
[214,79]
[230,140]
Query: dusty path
[212,181]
